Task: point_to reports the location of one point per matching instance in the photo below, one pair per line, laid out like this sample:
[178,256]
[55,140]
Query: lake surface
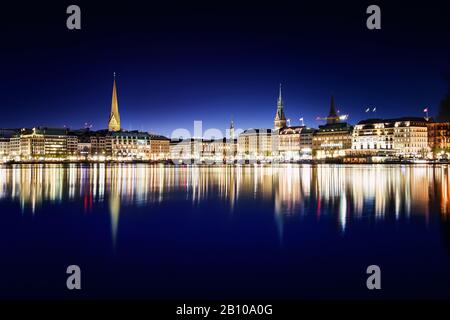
[291,231]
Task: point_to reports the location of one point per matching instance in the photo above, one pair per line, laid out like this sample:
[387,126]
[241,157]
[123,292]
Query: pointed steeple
[280,118]
[114,118]
[280,98]
[332,116]
[232,129]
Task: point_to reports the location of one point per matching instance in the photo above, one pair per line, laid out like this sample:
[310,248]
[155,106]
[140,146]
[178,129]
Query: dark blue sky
[185,61]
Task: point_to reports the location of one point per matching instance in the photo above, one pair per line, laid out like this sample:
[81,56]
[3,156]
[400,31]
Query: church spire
[332,116]
[280,118]
[280,99]
[114,118]
[232,129]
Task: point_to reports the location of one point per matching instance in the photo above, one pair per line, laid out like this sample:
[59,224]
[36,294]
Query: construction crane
[342,117]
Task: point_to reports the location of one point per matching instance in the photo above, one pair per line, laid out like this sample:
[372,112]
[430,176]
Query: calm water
[293,231]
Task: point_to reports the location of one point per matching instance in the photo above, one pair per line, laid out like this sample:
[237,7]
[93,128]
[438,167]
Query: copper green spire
[280,118]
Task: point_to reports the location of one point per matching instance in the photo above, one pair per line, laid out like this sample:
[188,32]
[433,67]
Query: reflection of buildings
[341,193]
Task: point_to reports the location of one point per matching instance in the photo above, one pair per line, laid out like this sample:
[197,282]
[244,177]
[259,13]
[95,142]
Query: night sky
[188,60]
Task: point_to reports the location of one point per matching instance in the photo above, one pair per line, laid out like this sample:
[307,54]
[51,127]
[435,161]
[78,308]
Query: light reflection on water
[245,223]
[353,192]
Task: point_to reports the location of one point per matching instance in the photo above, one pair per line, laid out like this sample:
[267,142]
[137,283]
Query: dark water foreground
[292,231]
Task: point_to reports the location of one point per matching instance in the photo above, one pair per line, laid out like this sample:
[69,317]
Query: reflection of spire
[114,211]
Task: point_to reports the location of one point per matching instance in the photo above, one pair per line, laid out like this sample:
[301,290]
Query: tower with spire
[333,116]
[114,118]
[280,118]
[232,129]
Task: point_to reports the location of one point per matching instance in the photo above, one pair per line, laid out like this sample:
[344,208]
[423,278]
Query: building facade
[401,137]
[256,144]
[333,139]
[374,137]
[43,144]
[439,137]
[411,137]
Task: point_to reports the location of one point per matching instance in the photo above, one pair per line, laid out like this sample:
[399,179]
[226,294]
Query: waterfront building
[411,137]
[114,118]
[294,143]
[5,141]
[374,137]
[4,149]
[195,150]
[401,137]
[256,144]
[136,145]
[186,150]
[43,144]
[289,143]
[14,147]
[101,145]
[159,147]
[333,139]
[439,138]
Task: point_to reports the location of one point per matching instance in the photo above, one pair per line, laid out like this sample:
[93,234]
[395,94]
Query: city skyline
[172,70]
[369,112]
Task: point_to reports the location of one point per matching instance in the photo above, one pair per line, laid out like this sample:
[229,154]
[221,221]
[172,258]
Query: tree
[444,107]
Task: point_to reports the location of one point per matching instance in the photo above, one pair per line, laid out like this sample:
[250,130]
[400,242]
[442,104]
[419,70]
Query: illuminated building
[14,147]
[114,118]
[159,147]
[374,137]
[439,138]
[203,150]
[186,150]
[44,144]
[381,137]
[256,144]
[5,141]
[289,142]
[411,137]
[4,149]
[295,143]
[130,145]
[101,145]
[136,145]
[334,138]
